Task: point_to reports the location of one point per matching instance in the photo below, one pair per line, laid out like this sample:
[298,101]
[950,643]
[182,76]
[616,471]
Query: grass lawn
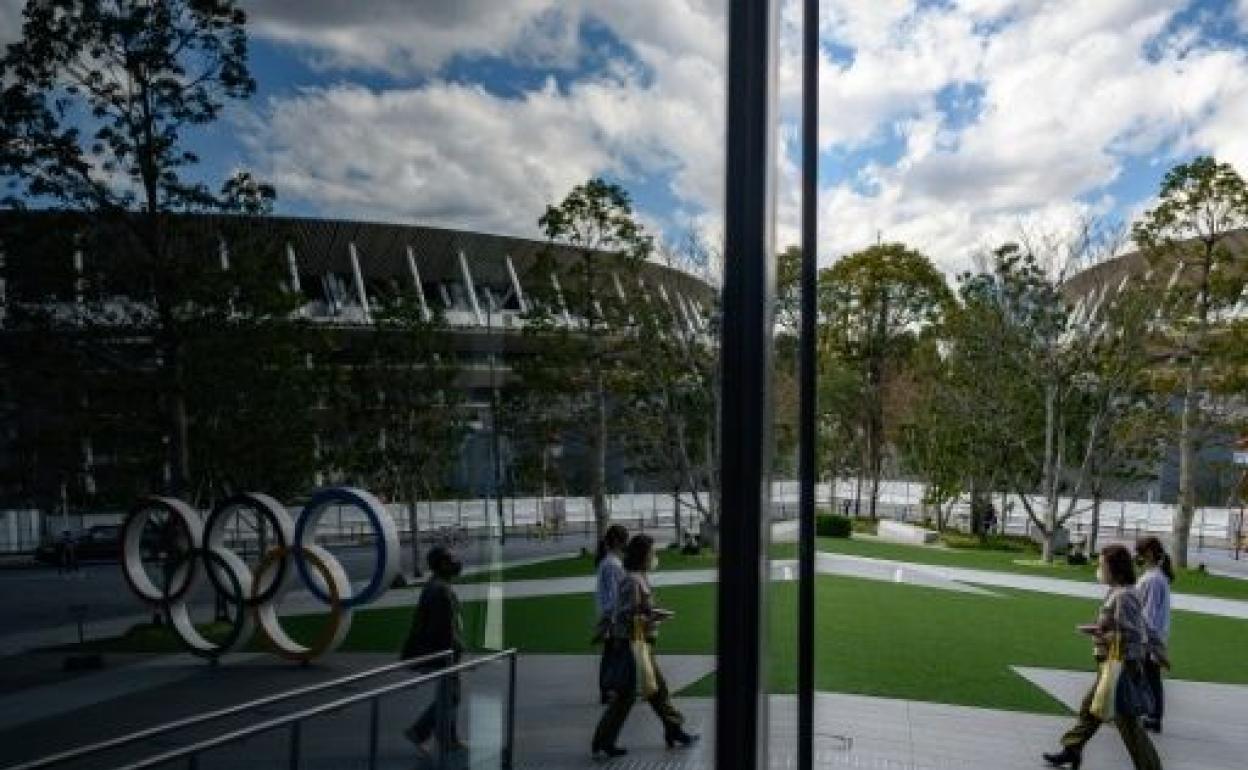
[572,566]
[874,638]
[1189,582]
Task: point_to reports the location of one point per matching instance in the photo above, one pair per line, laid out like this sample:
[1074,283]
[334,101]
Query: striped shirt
[1121,616]
[1154,591]
[610,575]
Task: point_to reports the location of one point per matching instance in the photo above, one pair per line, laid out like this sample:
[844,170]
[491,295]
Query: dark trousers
[440,715]
[603,692]
[1143,755]
[613,718]
[1152,672]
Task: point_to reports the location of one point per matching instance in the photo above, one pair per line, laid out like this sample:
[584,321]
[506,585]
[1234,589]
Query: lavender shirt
[1154,592]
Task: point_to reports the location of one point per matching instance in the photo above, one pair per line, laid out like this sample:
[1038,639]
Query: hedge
[833,525]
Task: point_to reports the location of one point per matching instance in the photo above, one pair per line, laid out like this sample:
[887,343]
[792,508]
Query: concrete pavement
[556,711]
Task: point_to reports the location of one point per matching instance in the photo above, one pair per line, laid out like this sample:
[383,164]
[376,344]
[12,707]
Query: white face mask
[654,562]
[1100,575]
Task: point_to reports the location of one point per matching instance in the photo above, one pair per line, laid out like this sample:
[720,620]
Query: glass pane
[357,348]
[1018,374]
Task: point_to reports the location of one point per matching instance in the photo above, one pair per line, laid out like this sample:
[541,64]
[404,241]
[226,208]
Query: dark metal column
[745,408]
[807,387]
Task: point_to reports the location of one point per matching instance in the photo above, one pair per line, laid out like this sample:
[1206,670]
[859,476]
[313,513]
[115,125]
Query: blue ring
[321,500]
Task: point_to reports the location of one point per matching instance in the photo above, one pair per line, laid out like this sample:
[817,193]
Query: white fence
[21,531]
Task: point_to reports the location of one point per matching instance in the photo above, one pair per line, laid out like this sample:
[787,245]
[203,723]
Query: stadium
[480,286]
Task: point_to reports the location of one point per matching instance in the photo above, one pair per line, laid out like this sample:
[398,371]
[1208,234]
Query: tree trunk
[1187,429]
[1096,521]
[179,427]
[1187,469]
[1050,475]
[680,531]
[1048,546]
[598,457]
[414,524]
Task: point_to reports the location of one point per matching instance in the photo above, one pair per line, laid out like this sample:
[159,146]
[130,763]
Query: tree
[98,98]
[1200,204]
[669,386]
[1034,386]
[576,320]
[396,415]
[872,306]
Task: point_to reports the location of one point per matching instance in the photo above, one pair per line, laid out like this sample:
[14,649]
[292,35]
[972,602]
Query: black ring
[283,568]
[141,510]
[240,616]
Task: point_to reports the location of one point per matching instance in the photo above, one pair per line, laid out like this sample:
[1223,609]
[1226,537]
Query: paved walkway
[556,711]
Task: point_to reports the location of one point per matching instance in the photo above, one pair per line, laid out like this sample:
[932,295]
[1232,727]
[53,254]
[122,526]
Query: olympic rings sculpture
[257,595]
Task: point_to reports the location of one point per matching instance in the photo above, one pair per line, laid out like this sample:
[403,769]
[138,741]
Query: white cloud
[1069,96]
[405,37]
[445,154]
[1065,97]
[462,156]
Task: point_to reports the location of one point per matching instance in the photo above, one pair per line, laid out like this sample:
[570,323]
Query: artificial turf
[1189,581]
[874,638]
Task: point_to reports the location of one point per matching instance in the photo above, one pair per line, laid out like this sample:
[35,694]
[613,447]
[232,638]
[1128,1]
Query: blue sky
[951,124]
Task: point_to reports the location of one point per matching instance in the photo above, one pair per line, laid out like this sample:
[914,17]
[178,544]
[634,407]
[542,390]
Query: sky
[951,125]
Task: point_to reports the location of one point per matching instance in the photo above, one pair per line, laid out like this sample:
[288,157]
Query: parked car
[99,543]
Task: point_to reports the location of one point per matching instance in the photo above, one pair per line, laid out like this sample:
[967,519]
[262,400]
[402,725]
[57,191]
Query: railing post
[509,740]
[295,730]
[373,726]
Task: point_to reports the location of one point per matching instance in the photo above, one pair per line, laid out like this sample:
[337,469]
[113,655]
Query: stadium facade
[479,285]
[1092,289]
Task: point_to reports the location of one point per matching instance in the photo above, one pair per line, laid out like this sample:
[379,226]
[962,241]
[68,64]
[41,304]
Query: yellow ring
[269,624]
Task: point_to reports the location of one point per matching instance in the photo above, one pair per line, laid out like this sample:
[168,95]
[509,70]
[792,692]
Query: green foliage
[97,109]
[1187,236]
[1006,543]
[833,525]
[98,97]
[874,307]
[395,418]
[618,363]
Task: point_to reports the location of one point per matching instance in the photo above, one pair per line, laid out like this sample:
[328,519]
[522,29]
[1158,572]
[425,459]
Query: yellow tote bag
[1105,698]
[643,656]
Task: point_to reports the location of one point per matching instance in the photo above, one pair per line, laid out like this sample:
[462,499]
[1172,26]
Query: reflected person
[637,619]
[610,571]
[437,625]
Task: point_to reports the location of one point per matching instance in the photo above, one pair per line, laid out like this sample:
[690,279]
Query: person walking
[637,619]
[67,554]
[1153,588]
[610,567]
[437,625]
[1119,630]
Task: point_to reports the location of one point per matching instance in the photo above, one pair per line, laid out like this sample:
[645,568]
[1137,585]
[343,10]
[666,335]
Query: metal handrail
[179,724]
[294,720]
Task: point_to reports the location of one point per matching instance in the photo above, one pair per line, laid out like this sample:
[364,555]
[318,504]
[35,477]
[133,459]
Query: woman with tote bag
[634,670]
[1121,640]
